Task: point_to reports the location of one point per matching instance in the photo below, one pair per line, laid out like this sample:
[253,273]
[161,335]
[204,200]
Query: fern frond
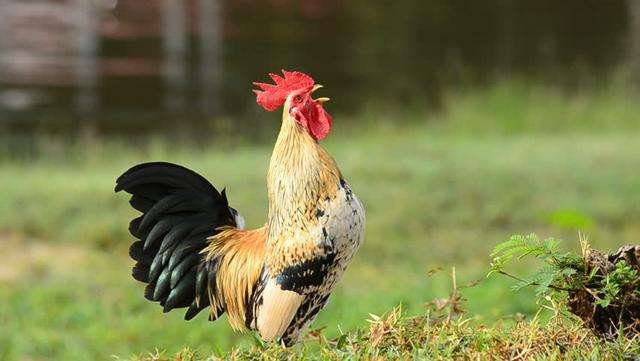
[557,268]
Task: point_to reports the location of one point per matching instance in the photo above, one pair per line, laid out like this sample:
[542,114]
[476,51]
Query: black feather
[182,294]
[162,285]
[152,191]
[180,210]
[166,255]
[140,273]
[156,266]
[141,203]
[202,280]
[148,291]
[203,229]
[182,267]
[134,225]
[177,233]
[160,229]
[195,308]
[135,251]
[160,207]
[185,248]
[166,174]
[137,180]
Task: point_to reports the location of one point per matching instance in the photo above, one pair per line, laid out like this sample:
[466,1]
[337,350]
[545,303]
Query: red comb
[271,96]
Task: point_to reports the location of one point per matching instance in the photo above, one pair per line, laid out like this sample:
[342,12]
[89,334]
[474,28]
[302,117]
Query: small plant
[623,277]
[554,275]
[602,290]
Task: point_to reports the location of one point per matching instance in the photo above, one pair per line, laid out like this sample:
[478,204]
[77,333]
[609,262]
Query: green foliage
[563,271]
[556,272]
[623,277]
[601,289]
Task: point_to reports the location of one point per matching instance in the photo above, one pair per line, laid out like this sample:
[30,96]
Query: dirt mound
[610,299]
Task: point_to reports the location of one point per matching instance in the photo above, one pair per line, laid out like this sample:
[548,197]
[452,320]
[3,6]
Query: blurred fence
[77,57]
[125,65]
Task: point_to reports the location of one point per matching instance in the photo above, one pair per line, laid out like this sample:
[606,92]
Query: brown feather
[242,255]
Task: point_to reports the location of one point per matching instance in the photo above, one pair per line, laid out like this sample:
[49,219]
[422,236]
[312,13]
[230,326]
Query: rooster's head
[293,90]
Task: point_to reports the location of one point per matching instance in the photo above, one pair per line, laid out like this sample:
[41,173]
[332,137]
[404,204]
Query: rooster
[192,250]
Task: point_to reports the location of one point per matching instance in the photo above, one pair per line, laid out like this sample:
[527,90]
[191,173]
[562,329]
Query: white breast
[343,222]
[339,233]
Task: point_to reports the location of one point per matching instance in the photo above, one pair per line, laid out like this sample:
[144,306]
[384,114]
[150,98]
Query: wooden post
[175,49]
[507,38]
[86,41]
[634,40]
[210,54]
[3,54]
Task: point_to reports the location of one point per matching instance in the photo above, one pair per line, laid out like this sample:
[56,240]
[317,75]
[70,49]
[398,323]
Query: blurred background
[128,67]
[458,123]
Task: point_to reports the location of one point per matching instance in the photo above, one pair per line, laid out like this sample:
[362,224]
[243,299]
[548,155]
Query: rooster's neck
[301,173]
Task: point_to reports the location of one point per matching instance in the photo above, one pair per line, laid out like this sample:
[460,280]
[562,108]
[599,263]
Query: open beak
[319,100]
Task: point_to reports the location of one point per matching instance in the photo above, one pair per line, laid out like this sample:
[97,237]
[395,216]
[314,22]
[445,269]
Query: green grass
[438,195]
[518,107]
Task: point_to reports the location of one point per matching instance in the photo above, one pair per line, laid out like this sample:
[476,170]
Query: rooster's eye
[297,99]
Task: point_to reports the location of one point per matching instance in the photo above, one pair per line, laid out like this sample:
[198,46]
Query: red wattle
[320,124]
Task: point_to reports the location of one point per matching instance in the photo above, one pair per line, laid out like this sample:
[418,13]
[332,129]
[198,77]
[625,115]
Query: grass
[396,336]
[437,195]
[519,107]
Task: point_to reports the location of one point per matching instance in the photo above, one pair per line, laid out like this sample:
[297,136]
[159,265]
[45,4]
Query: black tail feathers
[180,210]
